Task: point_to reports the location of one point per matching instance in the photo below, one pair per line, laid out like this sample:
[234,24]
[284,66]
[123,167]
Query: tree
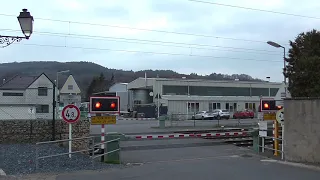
[304,65]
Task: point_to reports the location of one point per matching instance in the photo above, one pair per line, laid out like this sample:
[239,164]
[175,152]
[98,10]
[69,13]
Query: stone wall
[302,130]
[32,131]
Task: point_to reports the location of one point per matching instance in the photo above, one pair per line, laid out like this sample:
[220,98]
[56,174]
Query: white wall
[17,112]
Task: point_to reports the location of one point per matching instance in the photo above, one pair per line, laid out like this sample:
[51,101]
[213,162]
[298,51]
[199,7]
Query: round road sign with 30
[70,113]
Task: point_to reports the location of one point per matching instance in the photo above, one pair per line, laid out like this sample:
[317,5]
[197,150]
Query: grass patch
[112,161]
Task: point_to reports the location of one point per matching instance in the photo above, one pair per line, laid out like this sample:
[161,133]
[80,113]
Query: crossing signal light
[268,105]
[104,104]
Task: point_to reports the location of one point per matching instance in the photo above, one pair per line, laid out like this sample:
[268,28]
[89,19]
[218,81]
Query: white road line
[2,173]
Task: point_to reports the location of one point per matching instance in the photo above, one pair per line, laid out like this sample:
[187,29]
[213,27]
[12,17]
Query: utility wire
[153,42]
[143,29]
[145,52]
[254,9]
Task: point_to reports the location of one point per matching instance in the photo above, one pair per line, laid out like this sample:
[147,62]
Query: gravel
[19,159]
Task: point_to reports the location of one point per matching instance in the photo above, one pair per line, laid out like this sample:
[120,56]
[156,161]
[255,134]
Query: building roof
[19,82]
[208,80]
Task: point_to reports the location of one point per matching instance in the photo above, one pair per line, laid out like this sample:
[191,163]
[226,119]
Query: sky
[180,35]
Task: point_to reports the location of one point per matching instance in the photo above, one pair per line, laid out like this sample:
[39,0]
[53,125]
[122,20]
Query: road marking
[268,160]
[2,173]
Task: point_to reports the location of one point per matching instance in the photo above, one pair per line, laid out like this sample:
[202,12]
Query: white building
[187,96]
[26,97]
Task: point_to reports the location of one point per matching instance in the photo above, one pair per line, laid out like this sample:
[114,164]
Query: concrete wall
[32,131]
[302,130]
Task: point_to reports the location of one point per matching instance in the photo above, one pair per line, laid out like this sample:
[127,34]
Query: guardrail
[264,147]
[78,151]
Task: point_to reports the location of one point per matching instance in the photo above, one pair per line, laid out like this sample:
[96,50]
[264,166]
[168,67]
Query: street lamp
[26,24]
[274,44]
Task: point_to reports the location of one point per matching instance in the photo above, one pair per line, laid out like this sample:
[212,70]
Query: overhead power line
[155,42]
[254,9]
[147,52]
[143,29]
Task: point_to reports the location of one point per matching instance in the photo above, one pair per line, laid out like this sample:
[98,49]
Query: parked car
[203,115]
[221,114]
[243,114]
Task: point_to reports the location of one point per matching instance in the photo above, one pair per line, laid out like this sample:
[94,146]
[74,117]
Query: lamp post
[274,44]
[26,24]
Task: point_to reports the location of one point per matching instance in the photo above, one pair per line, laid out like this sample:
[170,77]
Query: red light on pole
[266,105]
[98,105]
[113,105]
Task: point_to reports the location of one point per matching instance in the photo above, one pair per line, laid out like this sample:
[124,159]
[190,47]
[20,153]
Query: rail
[264,147]
[73,152]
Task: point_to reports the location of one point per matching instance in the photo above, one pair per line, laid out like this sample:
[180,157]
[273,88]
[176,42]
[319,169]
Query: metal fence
[31,103]
[272,147]
[91,149]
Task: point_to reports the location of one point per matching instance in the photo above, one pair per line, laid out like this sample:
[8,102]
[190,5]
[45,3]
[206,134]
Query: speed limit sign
[70,113]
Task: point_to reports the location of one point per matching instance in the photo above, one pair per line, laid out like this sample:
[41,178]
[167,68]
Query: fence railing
[89,149]
[263,147]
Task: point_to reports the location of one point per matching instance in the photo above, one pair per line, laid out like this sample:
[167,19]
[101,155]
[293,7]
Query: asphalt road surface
[190,163]
[148,126]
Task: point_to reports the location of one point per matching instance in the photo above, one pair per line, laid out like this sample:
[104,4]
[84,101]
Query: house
[70,93]
[26,97]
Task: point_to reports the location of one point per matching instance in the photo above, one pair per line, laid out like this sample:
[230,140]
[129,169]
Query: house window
[42,109]
[70,87]
[12,94]
[42,91]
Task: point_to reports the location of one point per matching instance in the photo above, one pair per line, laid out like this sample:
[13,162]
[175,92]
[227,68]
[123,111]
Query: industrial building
[188,96]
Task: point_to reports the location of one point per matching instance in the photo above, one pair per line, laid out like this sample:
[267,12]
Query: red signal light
[266,105]
[98,105]
[113,105]
[279,107]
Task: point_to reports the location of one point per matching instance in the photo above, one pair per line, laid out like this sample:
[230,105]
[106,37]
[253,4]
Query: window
[136,102]
[250,106]
[213,106]
[193,107]
[42,109]
[219,91]
[70,87]
[42,91]
[259,91]
[227,106]
[175,90]
[12,94]
[274,91]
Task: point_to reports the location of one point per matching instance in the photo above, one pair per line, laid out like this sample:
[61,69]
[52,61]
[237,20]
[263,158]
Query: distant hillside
[84,72]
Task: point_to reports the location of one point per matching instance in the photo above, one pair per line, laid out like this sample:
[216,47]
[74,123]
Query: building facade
[188,96]
[26,97]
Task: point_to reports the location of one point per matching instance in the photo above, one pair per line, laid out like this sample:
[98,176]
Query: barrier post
[276,136]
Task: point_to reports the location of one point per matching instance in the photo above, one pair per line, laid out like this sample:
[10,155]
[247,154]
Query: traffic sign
[98,120]
[269,116]
[70,113]
[280,116]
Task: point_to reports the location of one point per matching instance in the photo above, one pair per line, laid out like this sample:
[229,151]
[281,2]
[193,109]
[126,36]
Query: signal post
[106,110]
[269,107]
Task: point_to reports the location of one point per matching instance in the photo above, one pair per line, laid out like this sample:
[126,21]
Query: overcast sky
[188,53]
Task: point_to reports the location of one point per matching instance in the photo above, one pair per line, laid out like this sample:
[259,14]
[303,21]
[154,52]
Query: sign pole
[70,141]
[282,142]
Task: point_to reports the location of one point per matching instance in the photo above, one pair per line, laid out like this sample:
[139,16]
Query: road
[190,163]
[148,126]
